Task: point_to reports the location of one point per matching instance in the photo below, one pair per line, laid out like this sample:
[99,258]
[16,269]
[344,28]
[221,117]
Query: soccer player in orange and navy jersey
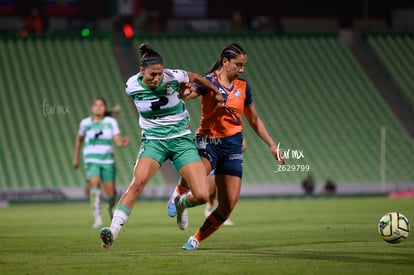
[219,138]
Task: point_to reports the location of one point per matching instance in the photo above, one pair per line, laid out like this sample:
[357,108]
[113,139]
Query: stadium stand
[48,85]
[314,97]
[308,88]
[395,50]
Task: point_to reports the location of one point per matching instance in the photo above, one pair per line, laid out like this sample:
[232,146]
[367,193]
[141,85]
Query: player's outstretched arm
[258,126]
[187,91]
[196,78]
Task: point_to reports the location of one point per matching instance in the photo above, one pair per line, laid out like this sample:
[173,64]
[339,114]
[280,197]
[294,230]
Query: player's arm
[258,126]
[187,91]
[196,78]
[78,144]
[117,138]
[121,141]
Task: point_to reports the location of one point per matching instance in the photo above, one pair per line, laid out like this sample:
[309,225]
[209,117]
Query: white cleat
[191,244]
[182,214]
[228,222]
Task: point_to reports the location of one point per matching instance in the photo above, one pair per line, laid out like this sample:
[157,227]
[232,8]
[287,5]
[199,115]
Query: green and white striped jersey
[97,146]
[162,115]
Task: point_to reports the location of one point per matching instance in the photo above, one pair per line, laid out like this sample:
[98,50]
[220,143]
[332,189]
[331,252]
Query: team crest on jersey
[169,89]
[237,93]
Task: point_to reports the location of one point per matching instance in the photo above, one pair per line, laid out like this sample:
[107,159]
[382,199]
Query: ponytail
[148,56]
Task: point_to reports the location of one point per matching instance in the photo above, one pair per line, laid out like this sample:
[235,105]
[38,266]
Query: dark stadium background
[342,73]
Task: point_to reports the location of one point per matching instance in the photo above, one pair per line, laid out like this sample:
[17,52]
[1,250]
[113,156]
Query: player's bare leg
[144,170]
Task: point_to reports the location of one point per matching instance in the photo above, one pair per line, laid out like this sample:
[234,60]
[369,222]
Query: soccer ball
[394,227]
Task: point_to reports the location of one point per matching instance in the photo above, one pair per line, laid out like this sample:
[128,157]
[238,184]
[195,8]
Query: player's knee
[136,185]
[202,197]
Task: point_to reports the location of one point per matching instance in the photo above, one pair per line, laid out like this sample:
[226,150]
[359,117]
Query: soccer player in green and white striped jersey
[157,93]
[97,133]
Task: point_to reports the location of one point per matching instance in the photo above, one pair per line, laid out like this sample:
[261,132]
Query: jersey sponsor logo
[157,104]
[235,156]
[98,134]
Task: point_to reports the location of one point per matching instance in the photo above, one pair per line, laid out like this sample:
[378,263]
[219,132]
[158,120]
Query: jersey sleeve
[81,131]
[177,74]
[115,127]
[201,89]
[249,98]
[130,85]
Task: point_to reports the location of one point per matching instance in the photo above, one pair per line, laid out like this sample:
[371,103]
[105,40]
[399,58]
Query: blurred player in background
[219,137]
[97,133]
[166,134]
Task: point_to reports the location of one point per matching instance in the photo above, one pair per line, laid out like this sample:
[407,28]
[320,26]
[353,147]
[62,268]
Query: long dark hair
[230,51]
[148,56]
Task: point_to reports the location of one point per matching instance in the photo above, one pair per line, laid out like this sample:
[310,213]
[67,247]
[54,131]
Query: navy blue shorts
[225,154]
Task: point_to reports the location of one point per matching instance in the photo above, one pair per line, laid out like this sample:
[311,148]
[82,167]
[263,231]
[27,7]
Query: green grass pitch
[271,236]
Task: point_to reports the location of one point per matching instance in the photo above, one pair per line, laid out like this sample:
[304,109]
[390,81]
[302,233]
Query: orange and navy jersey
[225,121]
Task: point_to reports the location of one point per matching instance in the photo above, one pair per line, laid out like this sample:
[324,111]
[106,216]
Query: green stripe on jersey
[100,156]
[98,141]
[98,126]
[168,131]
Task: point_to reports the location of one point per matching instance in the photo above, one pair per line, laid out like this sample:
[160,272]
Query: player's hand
[219,99]
[278,154]
[75,164]
[184,89]
[125,141]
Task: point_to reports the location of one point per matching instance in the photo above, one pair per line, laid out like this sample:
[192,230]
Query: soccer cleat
[107,237]
[228,222]
[182,214]
[191,244]
[171,210]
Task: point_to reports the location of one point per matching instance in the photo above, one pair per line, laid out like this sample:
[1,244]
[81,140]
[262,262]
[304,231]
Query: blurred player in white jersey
[97,133]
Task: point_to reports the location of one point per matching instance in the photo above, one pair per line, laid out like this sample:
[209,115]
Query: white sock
[184,202]
[120,217]
[95,202]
